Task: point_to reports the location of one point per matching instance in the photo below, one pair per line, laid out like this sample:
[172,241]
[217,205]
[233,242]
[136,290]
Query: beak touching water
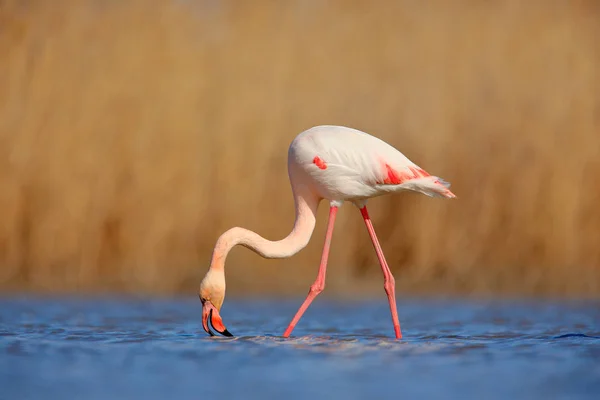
[210,316]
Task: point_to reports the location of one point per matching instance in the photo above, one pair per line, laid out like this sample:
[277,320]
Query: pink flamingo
[325,162]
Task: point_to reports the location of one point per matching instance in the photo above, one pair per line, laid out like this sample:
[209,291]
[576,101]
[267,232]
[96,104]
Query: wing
[353,163]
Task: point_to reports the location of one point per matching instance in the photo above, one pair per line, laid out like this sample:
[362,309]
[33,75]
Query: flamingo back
[343,163]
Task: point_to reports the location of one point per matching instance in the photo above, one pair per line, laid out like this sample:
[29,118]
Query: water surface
[71,348]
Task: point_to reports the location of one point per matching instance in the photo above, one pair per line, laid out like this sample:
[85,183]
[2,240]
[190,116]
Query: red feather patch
[319,163]
[394,177]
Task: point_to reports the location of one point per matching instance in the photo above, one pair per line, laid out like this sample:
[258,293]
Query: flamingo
[338,164]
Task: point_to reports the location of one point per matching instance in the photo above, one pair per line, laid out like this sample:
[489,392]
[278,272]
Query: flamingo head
[212,294]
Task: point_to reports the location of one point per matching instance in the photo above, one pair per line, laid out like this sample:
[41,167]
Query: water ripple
[124,348]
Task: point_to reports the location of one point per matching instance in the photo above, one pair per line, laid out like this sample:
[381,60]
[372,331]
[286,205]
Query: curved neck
[304,224]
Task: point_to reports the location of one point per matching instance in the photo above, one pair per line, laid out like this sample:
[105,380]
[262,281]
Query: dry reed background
[133,133]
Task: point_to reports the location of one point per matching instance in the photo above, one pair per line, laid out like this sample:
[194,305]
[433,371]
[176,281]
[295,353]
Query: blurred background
[134,133]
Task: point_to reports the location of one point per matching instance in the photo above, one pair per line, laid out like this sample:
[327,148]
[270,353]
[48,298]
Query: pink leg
[319,284]
[389,283]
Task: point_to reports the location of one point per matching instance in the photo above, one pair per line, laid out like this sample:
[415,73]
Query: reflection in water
[151,349]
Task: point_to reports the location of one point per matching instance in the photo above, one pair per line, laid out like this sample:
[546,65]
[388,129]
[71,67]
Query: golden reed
[133,133]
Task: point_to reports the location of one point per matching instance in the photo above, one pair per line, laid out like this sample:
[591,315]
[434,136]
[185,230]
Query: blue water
[71,348]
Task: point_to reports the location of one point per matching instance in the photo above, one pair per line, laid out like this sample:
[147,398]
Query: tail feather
[432,186]
[443,182]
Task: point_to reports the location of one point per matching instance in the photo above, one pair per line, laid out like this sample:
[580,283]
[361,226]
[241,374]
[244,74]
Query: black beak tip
[224,333]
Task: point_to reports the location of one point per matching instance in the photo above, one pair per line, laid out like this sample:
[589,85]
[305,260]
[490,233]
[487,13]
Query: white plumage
[353,165]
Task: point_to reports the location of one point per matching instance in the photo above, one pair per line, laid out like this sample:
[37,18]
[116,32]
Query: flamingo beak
[210,313]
